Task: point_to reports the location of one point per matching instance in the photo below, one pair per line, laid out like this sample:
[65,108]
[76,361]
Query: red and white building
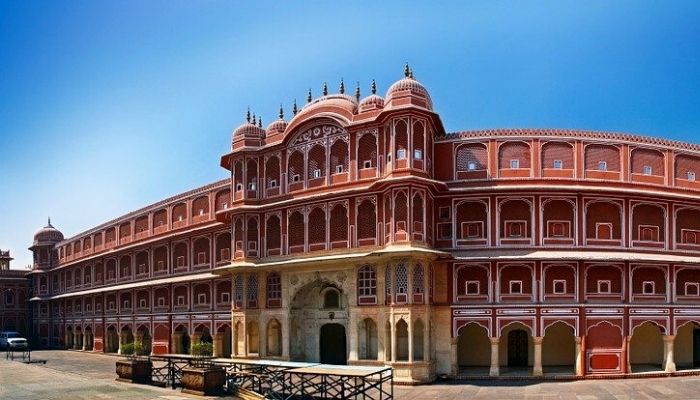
[360,231]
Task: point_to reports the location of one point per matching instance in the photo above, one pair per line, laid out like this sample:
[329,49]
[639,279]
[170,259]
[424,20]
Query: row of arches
[605,223]
[558,159]
[173,216]
[199,252]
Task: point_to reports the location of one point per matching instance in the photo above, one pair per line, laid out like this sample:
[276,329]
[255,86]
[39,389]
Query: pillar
[85,341]
[494,370]
[669,363]
[176,339]
[626,343]
[394,347]
[537,368]
[410,340]
[578,366]
[454,360]
[354,339]
[218,344]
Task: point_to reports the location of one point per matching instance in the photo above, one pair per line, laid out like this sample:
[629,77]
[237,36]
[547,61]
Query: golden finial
[253,119]
[342,86]
[406,70]
[325,88]
[308,96]
[247,115]
[281,114]
[294,107]
[259,122]
[357,91]
[374,87]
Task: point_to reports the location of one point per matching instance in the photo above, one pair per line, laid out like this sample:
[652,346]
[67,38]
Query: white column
[410,340]
[393,340]
[537,368]
[669,363]
[578,367]
[494,371]
[354,339]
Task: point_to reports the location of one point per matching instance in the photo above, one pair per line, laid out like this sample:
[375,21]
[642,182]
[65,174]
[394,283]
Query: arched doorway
[181,340]
[473,350]
[333,344]
[224,338]
[646,348]
[516,349]
[69,337]
[111,340]
[686,352]
[88,338]
[315,304]
[274,338]
[143,335]
[559,349]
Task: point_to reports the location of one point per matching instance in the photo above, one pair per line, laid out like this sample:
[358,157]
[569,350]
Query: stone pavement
[76,375]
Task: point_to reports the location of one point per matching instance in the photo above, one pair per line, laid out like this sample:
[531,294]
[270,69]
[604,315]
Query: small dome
[371,102]
[408,87]
[47,234]
[347,104]
[277,126]
[248,129]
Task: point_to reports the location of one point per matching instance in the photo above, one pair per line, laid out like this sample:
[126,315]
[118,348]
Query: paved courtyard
[74,375]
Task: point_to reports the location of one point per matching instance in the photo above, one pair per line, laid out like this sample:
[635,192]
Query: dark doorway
[333,345]
[517,348]
[696,348]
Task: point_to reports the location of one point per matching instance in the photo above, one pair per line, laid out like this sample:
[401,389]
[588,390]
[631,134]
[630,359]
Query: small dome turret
[47,235]
[408,91]
[373,101]
[279,125]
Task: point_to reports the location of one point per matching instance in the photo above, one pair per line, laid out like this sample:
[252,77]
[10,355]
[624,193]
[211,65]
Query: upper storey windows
[514,160]
[471,161]
[602,161]
[647,166]
[557,160]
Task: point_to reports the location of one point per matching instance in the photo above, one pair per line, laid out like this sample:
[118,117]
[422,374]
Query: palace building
[14,293]
[359,231]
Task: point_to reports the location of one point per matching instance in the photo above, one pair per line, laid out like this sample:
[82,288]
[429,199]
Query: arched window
[238,291]
[418,338]
[367,336]
[317,229]
[401,283]
[331,299]
[274,290]
[366,223]
[252,291]
[274,338]
[273,236]
[418,280]
[366,285]
[339,226]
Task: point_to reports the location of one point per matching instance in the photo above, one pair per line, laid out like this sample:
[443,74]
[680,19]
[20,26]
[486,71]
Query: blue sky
[106,107]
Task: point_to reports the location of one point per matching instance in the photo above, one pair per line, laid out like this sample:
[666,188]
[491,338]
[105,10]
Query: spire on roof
[406,70]
[49,221]
[247,115]
[281,114]
[410,73]
[374,87]
[308,96]
[357,91]
[342,86]
[325,88]
[253,119]
[294,107]
[259,122]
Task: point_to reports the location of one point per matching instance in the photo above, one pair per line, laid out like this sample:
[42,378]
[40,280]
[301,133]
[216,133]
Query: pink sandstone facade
[360,231]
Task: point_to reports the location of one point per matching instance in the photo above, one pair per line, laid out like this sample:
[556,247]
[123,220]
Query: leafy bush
[202,349]
[128,349]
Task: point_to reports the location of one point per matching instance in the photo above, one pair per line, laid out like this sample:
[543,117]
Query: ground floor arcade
[573,346]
